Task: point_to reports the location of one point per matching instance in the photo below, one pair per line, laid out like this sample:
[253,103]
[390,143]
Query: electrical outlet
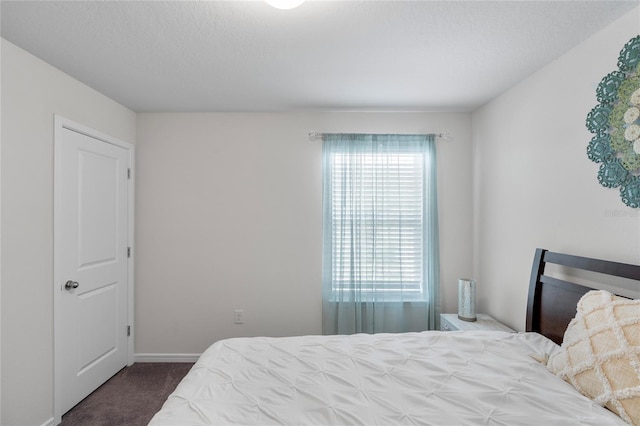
[238,316]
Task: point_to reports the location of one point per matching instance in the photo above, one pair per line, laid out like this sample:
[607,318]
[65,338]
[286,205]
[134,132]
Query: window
[377,196]
[376,224]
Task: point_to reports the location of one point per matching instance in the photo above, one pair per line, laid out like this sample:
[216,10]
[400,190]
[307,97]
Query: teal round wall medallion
[615,123]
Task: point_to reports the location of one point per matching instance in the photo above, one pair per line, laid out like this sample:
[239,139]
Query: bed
[432,377]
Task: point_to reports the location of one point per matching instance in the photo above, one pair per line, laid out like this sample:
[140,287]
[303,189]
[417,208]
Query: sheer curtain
[380,234]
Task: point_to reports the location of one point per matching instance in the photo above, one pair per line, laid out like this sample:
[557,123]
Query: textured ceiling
[324,55]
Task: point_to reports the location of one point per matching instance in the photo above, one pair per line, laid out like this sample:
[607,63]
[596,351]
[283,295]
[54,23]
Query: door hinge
[128,251]
[128,331]
[128,173]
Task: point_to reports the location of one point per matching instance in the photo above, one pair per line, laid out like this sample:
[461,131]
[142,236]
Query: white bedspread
[430,378]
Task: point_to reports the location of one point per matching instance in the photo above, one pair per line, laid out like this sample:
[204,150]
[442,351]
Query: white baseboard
[50,422]
[166,357]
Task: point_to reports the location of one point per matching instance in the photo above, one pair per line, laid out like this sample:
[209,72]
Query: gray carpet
[130,398]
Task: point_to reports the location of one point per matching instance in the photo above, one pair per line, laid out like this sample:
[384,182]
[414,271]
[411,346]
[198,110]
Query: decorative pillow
[600,353]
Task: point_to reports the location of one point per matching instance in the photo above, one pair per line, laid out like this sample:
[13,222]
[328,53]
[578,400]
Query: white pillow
[600,353]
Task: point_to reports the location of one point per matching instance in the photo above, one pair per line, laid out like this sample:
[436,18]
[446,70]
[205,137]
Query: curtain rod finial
[314,136]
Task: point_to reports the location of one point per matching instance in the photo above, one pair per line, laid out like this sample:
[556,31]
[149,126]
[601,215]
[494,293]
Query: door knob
[71,284]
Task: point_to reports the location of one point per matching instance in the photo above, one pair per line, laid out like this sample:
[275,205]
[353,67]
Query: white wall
[535,186]
[32,92]
[229,216]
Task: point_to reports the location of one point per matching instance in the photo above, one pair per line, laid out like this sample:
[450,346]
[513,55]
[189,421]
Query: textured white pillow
[600,353]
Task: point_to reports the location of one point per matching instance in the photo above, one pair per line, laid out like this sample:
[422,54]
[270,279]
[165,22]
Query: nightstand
[451,322]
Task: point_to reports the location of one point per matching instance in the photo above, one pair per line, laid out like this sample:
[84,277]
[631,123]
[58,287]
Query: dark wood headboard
[552,301]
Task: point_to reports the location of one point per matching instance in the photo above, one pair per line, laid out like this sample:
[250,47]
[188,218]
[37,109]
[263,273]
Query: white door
[92,214]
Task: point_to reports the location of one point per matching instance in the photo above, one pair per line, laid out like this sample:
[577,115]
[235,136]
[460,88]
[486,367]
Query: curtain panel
[380,234]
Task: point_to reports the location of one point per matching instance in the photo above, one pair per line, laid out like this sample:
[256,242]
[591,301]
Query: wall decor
[615,123]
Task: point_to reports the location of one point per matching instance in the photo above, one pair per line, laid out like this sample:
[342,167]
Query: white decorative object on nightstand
[451,322]
[467,299]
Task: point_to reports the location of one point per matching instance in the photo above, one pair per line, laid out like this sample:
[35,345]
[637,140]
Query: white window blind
[377,225]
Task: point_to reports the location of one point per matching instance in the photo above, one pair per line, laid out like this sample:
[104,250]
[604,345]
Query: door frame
[61,123]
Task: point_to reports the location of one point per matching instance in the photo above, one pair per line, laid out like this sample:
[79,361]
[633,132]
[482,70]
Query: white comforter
[429,378]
